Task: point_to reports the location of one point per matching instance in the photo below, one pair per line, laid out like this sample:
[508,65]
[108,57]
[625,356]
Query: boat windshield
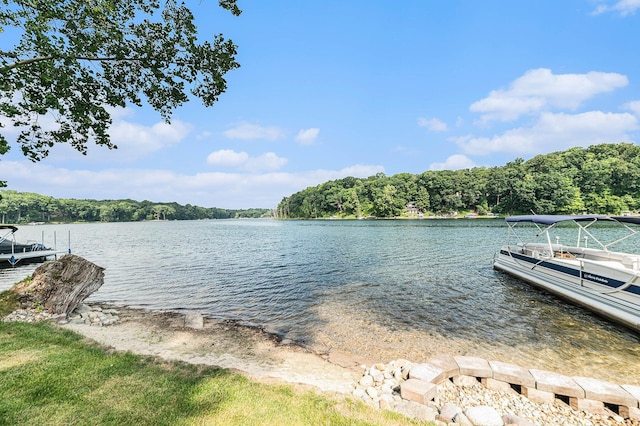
[10,230]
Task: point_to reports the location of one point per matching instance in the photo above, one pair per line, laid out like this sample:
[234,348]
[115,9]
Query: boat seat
[565,255]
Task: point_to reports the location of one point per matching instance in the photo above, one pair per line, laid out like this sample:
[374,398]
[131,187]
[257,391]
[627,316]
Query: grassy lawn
[50,376]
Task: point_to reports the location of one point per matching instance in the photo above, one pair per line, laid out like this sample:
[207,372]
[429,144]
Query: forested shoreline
[26,207]
[600,179]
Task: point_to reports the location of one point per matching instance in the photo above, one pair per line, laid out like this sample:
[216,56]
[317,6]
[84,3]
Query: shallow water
[377,289]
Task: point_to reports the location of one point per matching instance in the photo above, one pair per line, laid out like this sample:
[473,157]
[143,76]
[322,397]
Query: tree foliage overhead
[75,58]
[602,179]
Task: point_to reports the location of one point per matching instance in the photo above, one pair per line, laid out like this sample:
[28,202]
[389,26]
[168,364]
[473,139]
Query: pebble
[472,404]
[31,315]
[94,316]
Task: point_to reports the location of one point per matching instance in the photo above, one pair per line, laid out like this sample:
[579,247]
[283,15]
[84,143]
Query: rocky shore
[83,314]
[469,403]
[451,400]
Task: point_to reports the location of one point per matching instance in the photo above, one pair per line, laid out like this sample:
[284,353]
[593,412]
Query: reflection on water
[378,289]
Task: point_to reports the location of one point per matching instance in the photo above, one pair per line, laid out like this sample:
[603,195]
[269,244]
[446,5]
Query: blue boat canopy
[547,219]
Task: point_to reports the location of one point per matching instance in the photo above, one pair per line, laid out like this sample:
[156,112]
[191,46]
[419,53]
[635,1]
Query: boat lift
[27,251]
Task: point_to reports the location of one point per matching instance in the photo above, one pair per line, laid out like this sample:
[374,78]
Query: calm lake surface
[379,290]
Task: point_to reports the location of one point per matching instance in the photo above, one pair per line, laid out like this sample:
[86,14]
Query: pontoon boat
[607,282]
[14,252]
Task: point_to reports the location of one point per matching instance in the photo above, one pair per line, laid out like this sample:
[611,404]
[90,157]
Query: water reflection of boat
[14,252]
[607,282]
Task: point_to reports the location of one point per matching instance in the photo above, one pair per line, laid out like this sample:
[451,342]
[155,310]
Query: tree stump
[61,285]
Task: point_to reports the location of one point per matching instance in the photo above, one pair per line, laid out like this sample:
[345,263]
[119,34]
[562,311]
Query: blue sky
[335,88]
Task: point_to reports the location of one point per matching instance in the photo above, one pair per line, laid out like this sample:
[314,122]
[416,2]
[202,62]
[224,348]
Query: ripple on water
[379,289]
[594,351]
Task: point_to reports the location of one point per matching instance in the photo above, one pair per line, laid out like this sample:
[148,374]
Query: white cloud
[540,90]
[268,161]
[134,140]
[400,148]
[247,131]
[433,124]
[359,170]
[203,135]
[137,140]
[228,158]
[634,107]
[555,132]
[454,162]
[308,136]
[212,189]
[623,7]
[11,132]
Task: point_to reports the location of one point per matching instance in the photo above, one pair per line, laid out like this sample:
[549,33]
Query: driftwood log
[61,285]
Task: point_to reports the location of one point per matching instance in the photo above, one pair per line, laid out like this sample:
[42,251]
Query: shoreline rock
[93,315]
[60,286]
[449,398]
[84,314]
[458,395]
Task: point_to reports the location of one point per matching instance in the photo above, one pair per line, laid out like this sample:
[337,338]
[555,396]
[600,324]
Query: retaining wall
[581,393]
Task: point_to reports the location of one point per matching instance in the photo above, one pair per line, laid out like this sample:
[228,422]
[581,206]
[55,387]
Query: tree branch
[8,54]
[48,58]
[25,62]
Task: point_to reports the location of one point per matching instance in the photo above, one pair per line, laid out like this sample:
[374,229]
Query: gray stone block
[447,364]
[632,413]
[539,396]
[195,321]
[511,373]
[557,383]
[634,391]
[418,391]
[427,373]
[588,405]
[473,366]
[610,393]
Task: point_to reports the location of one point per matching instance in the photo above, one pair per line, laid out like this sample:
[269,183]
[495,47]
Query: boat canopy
[545,219]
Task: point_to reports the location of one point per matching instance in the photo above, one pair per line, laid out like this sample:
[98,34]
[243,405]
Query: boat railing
[30,249]
[546,251]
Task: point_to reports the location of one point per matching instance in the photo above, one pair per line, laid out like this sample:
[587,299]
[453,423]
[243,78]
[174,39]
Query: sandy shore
[263,357]
[227,345]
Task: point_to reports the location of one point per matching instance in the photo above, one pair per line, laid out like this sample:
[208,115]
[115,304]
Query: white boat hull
[608,288]
[26,256]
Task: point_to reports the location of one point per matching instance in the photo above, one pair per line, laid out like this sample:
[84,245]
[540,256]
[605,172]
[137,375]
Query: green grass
[50,376]
[9,302]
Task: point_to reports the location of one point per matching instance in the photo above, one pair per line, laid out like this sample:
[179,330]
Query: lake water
[379,290]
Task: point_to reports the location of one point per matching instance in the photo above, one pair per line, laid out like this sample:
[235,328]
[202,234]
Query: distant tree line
[603,179]
[25,207]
